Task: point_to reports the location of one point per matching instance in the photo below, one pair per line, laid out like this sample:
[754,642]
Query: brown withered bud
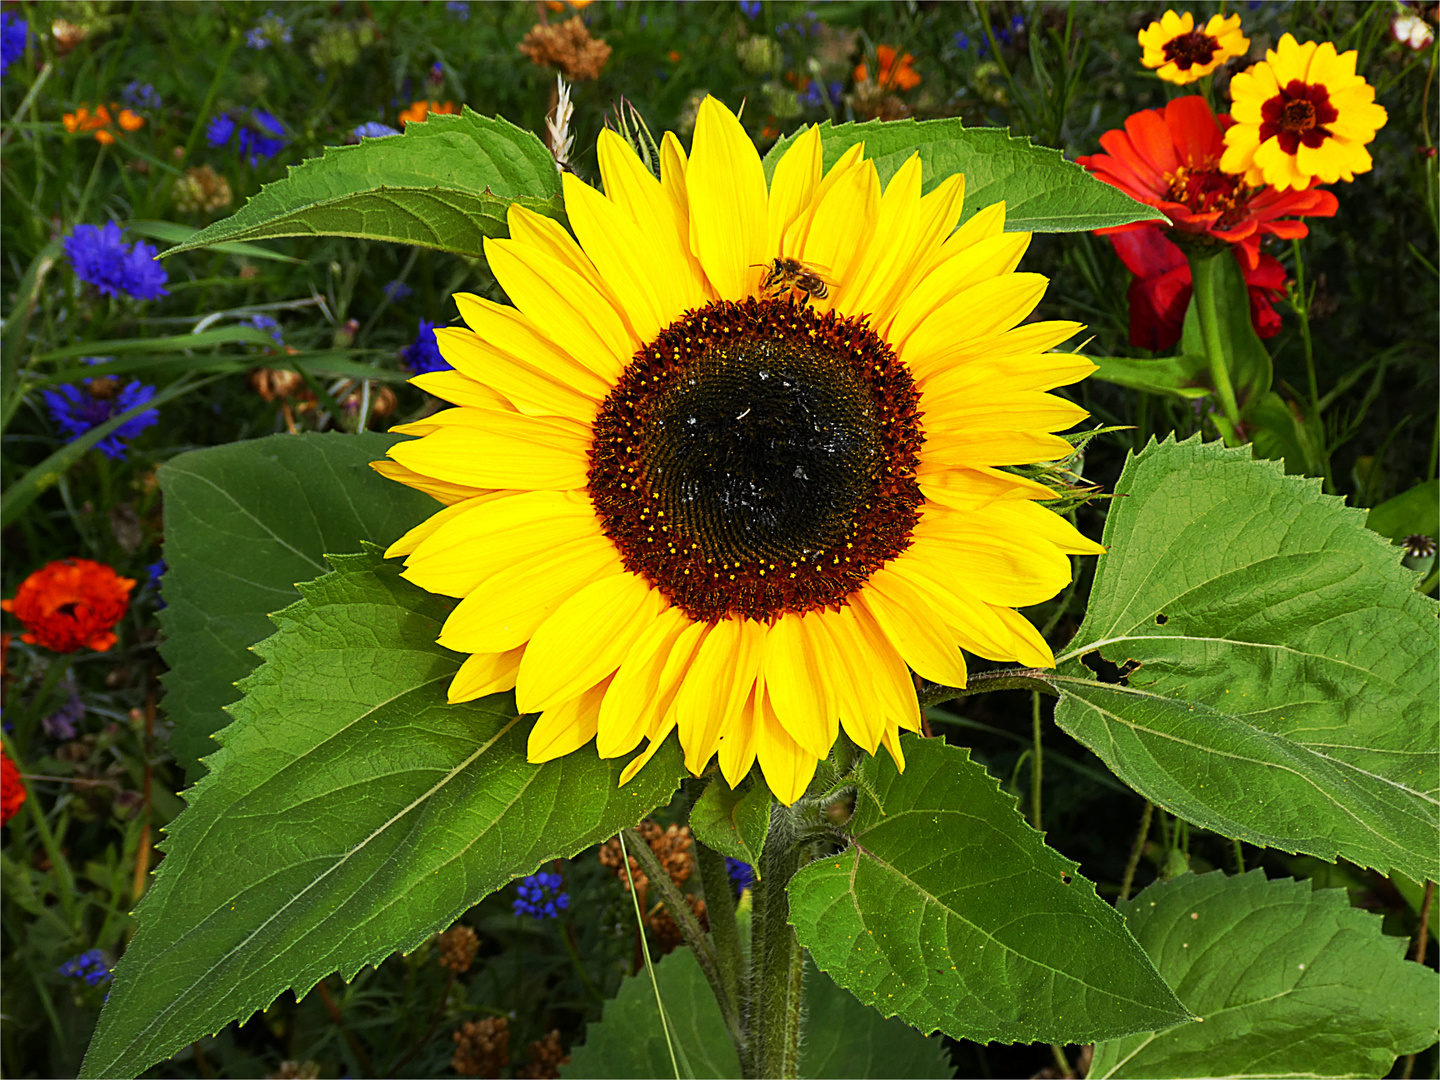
[458,947]
[482,1047]
[544,1058]
[567,46]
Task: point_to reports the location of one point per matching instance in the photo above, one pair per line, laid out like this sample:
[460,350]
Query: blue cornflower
[263,138]
[220,130]
[424,356]
[270,30]
[89,965]
[751,8]
[64,722]
[76,411]
[742,874]
[269,325]
[140,95]
[459,8]
[540,896]
[101,257]
[373,129]
[153,573]
[14,35]
[814,96]
[396,290]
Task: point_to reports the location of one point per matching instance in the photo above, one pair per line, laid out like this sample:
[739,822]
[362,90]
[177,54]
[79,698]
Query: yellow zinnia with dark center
[1182,54]
[680,499]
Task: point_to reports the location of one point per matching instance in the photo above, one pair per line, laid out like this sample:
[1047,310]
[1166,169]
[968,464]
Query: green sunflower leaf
[1183,376]
[1042,191]
[243,523]
[446,183]
[350,812]
[1416,511]
[950,912]
[841,1037]
[733,821]
[1289,981]
[1285,687]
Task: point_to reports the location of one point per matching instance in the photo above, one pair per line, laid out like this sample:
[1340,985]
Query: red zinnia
[70,604]
[12,791]
[1160,293]
[1170,159]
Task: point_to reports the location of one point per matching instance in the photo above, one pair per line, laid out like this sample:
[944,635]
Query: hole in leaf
[1065,878]
[1161,619]
[1105,671]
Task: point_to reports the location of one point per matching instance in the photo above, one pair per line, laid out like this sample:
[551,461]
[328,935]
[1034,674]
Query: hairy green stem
[1037,766]
[778,961]
[1203,272]
[724,933]
[690,930]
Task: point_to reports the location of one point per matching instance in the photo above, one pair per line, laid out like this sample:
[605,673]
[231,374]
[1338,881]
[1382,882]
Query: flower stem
[1037,759]
[1202,275]
[778,961]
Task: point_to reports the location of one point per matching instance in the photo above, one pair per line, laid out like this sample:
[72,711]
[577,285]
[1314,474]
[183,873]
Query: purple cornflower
[396,290]
[140,95]
[750,8]
[540,896]
[270,30]
[742,874]
[220,130]
[89,965]
[373,129]
[101,257]
[14,35]
[64,722]
[263,137]
[458,8]
[267,324]
[76,411]
[424,356]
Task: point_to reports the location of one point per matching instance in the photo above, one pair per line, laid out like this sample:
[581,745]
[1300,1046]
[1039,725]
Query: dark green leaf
[243,524]
[949,911]
[1286,693]
[1042,191]
[350,812]
[172,232]
[733,822]
[1288,982]
[1183,376]
[445,183]
[841,1037]
[1278,434]
[1413,512]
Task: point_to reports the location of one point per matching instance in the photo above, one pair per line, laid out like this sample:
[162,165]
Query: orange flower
[70,604]
[894,74]
[12,791]
[418,110]
[101,122]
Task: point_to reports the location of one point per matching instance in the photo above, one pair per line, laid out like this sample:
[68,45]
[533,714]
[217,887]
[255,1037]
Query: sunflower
[1183,54]
[1301,114]
[693,487]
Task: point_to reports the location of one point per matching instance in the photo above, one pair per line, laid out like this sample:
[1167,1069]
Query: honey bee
[793,275]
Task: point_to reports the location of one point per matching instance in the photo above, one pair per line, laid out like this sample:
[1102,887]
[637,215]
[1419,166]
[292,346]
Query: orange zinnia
[100,121]
[70,604]
[418,110]
[12,790]
[898,75]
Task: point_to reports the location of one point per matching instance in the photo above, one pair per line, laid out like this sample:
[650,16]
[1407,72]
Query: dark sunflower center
[1298,114]
[764,450]
[758,458]
[1187,50]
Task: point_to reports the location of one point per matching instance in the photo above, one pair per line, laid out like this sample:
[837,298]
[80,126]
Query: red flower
[12,791]
[1161,290]
[70,604]
[1170,159]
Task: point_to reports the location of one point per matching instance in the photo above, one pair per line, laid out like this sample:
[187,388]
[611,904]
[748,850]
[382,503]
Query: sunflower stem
[1202,276]
[778,961]
[695,938]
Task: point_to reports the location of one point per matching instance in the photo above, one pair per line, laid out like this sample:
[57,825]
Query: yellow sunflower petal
[485,673]
[585,640]
[787,766]
[913,624]
[635,269]
[504,611]
[728,212]
[565,728]
[797,174]
[737,747]
[716,687]
[982,311]
[507,330]
[841,223]
[850,679]
[446,492]
[798,693]
[411,540]
[1031,409]
[480,367]
[501,450]
[638,690]
[458,388]
[894,686]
